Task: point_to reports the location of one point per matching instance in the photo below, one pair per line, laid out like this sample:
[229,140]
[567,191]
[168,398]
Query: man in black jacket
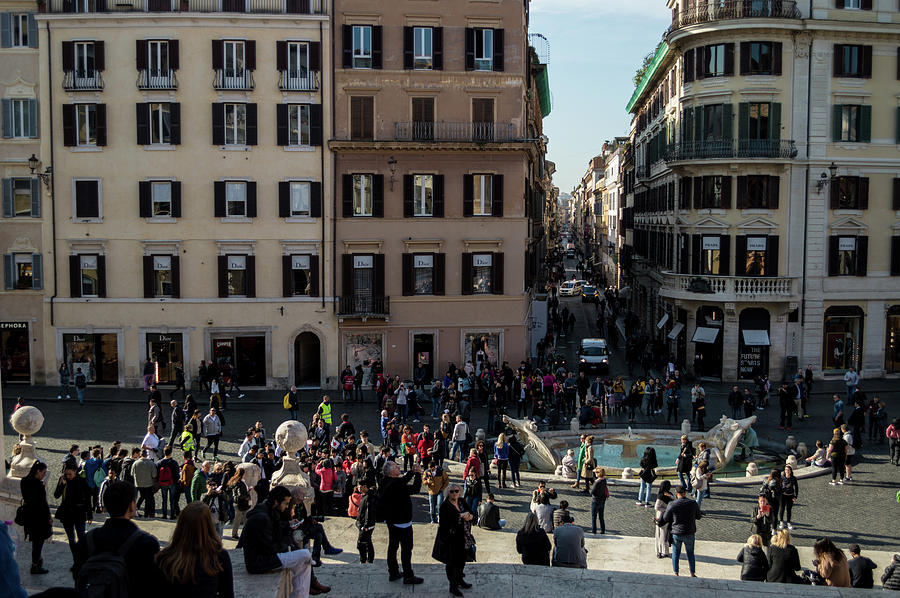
[683,514]
[177,423]
[395,507]
[267,542]
[119,504]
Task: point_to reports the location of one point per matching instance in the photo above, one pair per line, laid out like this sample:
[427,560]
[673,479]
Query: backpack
[99,477]
[104,574]
[286,402]
[166,478]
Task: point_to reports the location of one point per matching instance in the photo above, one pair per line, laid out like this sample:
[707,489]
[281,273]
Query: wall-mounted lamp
[34,164]
[392,164]
[825,179]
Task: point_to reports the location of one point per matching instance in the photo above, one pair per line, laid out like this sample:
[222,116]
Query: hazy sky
[595,47]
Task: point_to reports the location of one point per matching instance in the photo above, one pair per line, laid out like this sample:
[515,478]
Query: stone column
[730,343]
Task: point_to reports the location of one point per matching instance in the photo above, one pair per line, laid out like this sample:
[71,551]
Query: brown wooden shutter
[772,255]
[498,50]
[281,52]
[315,56]
[724,255]
[347,46]
[69,135]
[347,275]
[315,125]
[315,199]
[376,47]
[174,55]
[75,276]
[895,256]
[176,199]
[468,195]
[497,274]
[741,192]
[408,44]
[101,276]
[222,263]
[287,276]
[696,250]
[378,286]
[218,54]
[251,124]
[218,124]
[440,273]
[466,270]
[100,55]
[148,277]
[145,200]
[313,276]
[101,125]
[406,275]
[774,190]
[437,45]
[729,59]
[866,62]
[347,197]
[284,199]
[740,255]
[250,61]
[378,196]
[251,275]
[776,58]
[281,124]
[142,111]
[408,195]
[497,196]
[838,58]
[833,254]
[175,123]
[862,255]
[251,199]
[470,49]
[219,199]
[862,192]
[140,54]
[438,205]
[68,57]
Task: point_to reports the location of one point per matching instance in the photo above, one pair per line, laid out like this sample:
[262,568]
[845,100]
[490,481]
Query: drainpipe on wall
[334,178]
[52,175]
[322,177]
[806,182]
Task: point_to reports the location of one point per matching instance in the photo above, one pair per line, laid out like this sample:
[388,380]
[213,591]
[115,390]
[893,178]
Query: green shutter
[743,121]
[37,271]
[897,133]
[727,125]
[8,207]
[6,109]
[32,119]
[775,121]
[836,120]
[699,113]
[865,124]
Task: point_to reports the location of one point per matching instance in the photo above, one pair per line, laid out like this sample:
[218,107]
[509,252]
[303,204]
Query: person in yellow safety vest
[324,410]
[187,441]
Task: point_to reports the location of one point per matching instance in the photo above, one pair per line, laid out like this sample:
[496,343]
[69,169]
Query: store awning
[705,335]
[756,338]
[662,321]
[676,330]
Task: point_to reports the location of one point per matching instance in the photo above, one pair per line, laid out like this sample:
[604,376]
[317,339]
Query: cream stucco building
[764,191]
[189,190]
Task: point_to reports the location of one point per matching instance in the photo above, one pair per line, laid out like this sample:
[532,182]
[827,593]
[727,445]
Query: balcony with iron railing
[294,7]
[82,81]
[233,80]
[293,80]
[720,10]
[364,306]
[459,132]
[778,149]
[727,288]
[148,79]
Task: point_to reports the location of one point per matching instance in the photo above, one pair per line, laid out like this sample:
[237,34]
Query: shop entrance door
[165,351]
[307,361]
[423,353]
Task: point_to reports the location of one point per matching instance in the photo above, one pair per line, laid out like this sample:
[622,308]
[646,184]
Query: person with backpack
[80,385]
[168,484]
[94,474]
[186,476]
[145,479]
[112,559]
[75,507]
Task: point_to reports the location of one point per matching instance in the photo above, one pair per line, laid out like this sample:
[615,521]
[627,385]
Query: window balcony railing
[364,306]
[465,132]
[82,81]
[299,81]
[745,148]
[756,288]
[297,7]
[721,10]
[157,80]
[226,79]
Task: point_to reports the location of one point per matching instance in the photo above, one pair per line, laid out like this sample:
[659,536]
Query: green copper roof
[648,76]
[542,79]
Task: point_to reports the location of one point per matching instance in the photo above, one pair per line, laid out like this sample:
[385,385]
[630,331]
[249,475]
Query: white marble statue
[540,456]
[291,436]
[723,438]
[27,421]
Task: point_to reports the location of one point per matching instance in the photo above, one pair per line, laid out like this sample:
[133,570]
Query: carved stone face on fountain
[27,421]
[291,436]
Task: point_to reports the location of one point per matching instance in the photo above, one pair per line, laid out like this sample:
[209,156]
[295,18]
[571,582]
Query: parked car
[570,288]
[570,253]
[589,294]
[593,356]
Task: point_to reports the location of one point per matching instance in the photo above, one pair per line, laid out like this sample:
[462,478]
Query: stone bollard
[628,473]
[791,461]
[291,436]
[685,427]
[27,421]
[752,469]
[479,434]
[802,450]
[573,425]
[790,443]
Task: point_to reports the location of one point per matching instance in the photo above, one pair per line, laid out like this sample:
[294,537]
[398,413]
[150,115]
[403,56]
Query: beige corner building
[439,181]
[24,209]
[763,205]
[187,217]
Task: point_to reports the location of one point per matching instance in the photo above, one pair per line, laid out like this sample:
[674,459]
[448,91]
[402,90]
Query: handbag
[20,515]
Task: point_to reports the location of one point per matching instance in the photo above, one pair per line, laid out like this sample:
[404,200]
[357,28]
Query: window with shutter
[362,118]
[423,119]
[87,199]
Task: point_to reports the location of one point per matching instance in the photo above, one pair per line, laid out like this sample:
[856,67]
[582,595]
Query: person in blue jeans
[683,514]
[647,475]
[80,385]
[437,392]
